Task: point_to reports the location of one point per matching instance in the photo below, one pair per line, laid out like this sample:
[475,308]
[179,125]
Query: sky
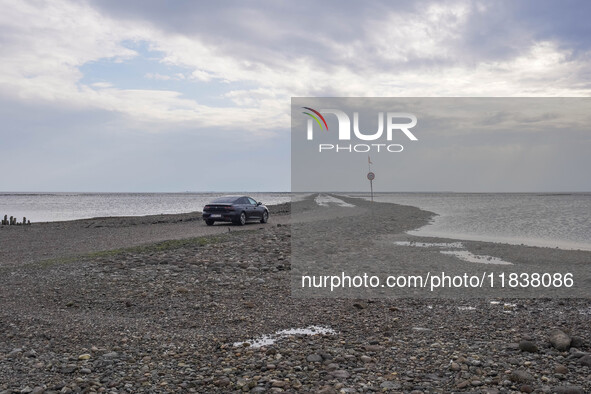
[160,96]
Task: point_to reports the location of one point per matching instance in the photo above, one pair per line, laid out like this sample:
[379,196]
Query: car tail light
[205,208]
[229,208]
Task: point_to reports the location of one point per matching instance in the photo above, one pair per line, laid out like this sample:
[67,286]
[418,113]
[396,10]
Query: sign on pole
[371,176]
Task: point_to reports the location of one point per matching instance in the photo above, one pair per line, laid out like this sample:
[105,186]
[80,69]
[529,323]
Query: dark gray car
[235,209]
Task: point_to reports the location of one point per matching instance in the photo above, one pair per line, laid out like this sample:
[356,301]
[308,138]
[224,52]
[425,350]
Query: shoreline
[423,231]
[492,238]
[151,218]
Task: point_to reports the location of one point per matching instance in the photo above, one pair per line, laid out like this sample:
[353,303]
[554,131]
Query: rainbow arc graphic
[316,117]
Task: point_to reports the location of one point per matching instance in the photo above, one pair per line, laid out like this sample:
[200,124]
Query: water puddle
[475,258]
[324,200]
[460,254]
[451,245]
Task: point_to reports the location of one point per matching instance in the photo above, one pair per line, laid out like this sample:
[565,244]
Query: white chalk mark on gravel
[475,258]
[270,339]
[324,200]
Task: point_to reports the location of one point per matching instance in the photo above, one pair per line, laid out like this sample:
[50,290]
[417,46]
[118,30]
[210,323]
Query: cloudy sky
[113,95]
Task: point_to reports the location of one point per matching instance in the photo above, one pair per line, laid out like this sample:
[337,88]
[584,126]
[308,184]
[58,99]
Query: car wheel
[265,217]
[242,219]
[209,222]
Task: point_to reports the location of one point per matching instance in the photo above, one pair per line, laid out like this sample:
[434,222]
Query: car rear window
[224,200]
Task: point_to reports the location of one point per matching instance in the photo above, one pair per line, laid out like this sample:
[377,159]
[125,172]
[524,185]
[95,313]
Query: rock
[528,346]
[463,384]
[365,359]
[389,385]
[111,355]
[15,352]
[520,377]
[575,353]
[38,390]
[560,340]
[278,383]
[85,356]
[568,390]
[68,369]
[455,367]
[224,381]
[340,374]
[360,305]
[577,342]
[526,388]
[326,390]
[585,360]
[374,348]
[561,369]
[85,371]
[314,358]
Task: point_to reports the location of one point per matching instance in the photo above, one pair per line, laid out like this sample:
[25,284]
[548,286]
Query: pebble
[559,339]
[526,388]
[314,358]
[521,376]
[561,369]
[568,390]
[585,360]
[389,385]
[528,346]
[341,374]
